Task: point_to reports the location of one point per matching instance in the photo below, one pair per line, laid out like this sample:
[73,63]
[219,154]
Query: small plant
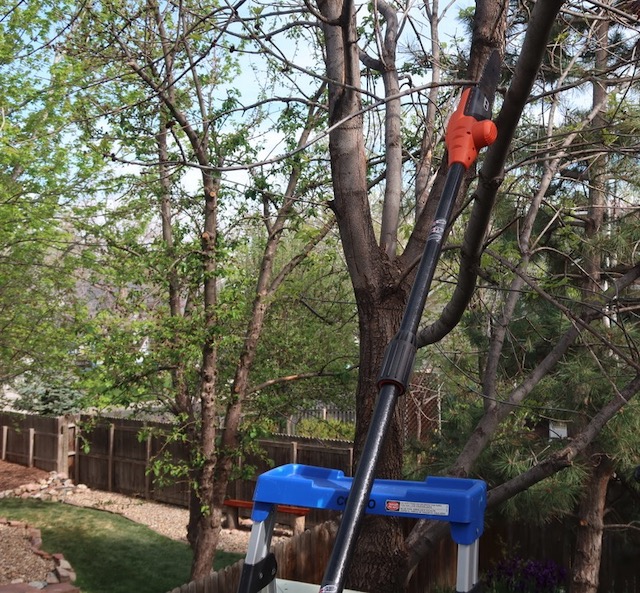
[516,575]
[326,429]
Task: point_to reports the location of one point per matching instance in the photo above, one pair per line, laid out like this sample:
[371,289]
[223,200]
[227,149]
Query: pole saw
[470,129]
[460,502]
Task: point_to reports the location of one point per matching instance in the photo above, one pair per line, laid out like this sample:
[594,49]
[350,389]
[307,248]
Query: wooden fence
[115,455]
[38,441]
[118,457]
[305,556]
[301,558]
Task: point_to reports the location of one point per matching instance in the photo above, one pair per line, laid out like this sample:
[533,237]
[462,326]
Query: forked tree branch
[491,174]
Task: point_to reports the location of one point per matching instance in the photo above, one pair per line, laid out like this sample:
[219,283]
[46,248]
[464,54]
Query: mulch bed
[13,475]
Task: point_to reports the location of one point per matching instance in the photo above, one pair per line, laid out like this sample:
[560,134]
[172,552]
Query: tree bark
[380,556]
[430,136]
[374,278]
[386,65]
[205,514]
[588,551]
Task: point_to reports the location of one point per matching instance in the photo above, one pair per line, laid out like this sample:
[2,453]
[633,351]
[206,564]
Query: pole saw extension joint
[398,361]
[470,128]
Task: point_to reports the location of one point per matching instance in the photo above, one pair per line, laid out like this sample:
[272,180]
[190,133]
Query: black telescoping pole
[396,370]
[469,129]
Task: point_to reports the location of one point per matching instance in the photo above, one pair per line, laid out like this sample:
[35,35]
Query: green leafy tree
[177,320]
[325,429]
[42,172]
[170,305]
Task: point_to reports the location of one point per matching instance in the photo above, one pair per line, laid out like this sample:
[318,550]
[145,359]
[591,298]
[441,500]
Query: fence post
[112,430]
[62,463]
[350,461]
[294,452]
[147,473]
[76,449]
[32,438]
[5,433]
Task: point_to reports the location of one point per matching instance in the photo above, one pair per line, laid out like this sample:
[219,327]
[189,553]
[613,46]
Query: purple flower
[515,574]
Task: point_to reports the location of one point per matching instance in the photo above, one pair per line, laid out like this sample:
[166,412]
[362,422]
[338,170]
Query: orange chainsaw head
[466,135]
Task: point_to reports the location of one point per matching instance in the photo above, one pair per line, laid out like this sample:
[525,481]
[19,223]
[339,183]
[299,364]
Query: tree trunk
[380,558]
[586,566]
[588,552]
[374,279]
[205,516]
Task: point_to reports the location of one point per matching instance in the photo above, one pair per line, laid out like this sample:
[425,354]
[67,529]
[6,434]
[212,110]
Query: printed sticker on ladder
[417,508]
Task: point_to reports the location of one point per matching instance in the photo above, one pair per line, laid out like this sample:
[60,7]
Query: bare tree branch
[491,174]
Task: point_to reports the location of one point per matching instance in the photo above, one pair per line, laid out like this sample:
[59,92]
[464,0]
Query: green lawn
[109,553]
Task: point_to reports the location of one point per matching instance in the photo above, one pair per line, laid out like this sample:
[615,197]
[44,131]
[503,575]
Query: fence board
[299,558]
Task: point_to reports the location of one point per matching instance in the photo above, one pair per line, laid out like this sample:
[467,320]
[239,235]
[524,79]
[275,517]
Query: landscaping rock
[56,487]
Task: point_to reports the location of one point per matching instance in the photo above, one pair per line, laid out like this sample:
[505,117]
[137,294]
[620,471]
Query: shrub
[48,394]
[326,429]
[516,575]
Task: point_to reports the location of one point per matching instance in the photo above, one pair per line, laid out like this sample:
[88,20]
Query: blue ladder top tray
[459,501]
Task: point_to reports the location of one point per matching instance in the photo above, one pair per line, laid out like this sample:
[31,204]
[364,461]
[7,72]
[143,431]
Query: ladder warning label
[417,508]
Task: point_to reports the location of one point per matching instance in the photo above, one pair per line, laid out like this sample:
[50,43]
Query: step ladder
[459,501]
